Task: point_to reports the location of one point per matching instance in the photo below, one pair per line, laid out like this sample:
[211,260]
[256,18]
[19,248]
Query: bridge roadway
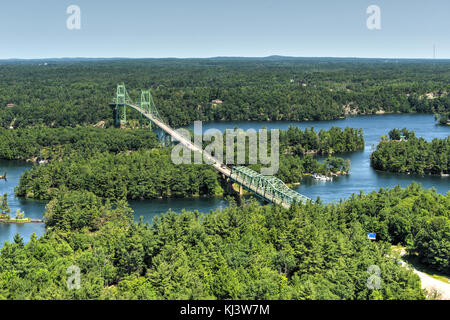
[218,165]
[184,141]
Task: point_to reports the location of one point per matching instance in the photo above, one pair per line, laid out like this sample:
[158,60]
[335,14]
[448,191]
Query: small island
[443,118]
[5,213]
[403,152]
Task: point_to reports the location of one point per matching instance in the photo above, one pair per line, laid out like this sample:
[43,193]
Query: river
[361,177]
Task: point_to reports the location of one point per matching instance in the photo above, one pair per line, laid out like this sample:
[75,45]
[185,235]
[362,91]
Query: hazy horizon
[408,29]
[220,57]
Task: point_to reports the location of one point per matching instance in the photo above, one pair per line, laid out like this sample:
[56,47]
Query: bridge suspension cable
[268,188]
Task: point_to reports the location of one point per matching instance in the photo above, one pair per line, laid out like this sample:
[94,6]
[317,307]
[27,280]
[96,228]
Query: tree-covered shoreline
[145,174]
[325,142]
[249,89]
[443,118]
[403,152]
[151,174]
[131,164]
[57,143]
[311,251]
[60,112]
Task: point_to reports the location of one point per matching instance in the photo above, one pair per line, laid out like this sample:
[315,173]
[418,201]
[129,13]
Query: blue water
[32,209]
[362,176]
[35,209]
[148,209]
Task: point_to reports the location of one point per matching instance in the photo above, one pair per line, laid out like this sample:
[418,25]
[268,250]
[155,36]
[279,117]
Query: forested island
[325,142]
[5,212]
[443,118]
[403,152]
[311,251]
[146,174]
[131,164]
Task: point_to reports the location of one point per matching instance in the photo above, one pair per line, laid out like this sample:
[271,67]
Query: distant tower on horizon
[434,51]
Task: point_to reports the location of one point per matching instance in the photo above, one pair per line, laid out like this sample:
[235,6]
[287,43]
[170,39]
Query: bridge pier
[167,140]
[238,192]
[268,188]
[228,185]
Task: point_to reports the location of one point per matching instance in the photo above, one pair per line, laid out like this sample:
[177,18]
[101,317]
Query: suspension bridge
[268,188]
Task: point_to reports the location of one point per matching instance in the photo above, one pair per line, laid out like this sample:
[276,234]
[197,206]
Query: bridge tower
[149,106]
[146,103]
[120,110]
[146,100]
[122,101]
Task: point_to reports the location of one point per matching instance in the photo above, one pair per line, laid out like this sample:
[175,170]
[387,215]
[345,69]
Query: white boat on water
[321,177]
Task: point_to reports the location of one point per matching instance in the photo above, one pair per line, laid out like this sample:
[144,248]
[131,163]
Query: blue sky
[208,28]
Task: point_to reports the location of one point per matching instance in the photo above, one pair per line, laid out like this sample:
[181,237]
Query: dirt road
[429,283]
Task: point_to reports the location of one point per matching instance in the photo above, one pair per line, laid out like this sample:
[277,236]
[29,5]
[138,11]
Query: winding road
[429,283]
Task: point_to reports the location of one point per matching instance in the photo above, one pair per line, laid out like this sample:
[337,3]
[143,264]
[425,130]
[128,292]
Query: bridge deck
[262,192]
[187,143]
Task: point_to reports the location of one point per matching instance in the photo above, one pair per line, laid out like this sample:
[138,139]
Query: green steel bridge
[268,188]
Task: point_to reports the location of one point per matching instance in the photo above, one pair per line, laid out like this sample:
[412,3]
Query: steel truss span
[269,188]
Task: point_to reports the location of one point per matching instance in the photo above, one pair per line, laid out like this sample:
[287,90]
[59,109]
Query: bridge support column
[228,185]
[168,140]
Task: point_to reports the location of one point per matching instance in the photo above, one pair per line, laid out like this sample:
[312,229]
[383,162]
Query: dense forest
[249,89]
[298,142]
[57,143]
[59,111]
[403,152]
[131,164]
[51,143]
[310,251]
[145,174]
[150,174]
